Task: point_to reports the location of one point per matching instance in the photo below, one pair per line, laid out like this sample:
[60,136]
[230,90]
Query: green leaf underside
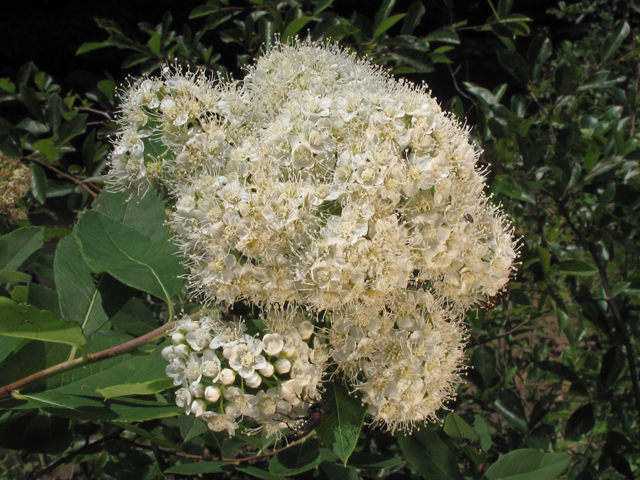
[124,253]
[528,464]
[26,321]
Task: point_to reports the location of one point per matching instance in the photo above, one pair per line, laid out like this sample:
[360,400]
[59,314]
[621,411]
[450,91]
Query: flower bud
[283,365]
[227,376]
[253,381]
[212,393]
[177,338]
[267,370]
[198,407]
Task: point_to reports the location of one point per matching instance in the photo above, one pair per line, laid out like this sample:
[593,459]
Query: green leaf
[191,427]
[135,318]
[580,423]
[146,388]
[7,345]
[145,214]
[11,276]
[74,127]
[429,455]
[445,35]
[510,413]
[527,464]
[483,360]
[614,40]
[89,46]
[25,321]
[80,299]
[577,268]
[47,149]
[150,266]
[457,428]
[613,363]
[538,53]
[32,102]
[198,468]
[44,298]
[601,79]
[480,426]
[38,183]
[343,419]
[258,473]
[297,459]
[370,460]
[387,23]
[294,27]
[412,19]
[517,66]
[19,247]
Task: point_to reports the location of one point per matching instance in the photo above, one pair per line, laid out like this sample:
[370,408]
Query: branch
[127,347]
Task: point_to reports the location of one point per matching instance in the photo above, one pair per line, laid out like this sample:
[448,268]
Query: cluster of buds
[226,375]
[319,184]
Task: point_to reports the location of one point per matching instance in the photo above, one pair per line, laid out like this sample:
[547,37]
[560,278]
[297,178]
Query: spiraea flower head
[320,185]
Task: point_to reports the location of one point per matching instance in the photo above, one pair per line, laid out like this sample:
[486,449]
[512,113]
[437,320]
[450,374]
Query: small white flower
[218,422]
[245,358]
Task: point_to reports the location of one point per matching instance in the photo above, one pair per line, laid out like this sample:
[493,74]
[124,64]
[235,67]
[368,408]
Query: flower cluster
[321,184]
[224,374]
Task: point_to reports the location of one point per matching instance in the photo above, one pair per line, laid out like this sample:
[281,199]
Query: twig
[93,110]
[245,459]
[72,455]
[66,175]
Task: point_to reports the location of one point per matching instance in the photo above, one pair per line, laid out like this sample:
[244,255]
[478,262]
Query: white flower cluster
[321,184]
[215,363]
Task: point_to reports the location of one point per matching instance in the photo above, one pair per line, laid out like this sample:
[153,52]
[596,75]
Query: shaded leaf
[577,267]
[20,247]
[527,464]
[429,455]
[342,422]
[580,422]
[614,40]
[80,299]
[457,428]
[297,459]
[198,468]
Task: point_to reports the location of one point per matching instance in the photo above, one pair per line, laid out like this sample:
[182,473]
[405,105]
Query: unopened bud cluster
[226,375]
[321,185]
